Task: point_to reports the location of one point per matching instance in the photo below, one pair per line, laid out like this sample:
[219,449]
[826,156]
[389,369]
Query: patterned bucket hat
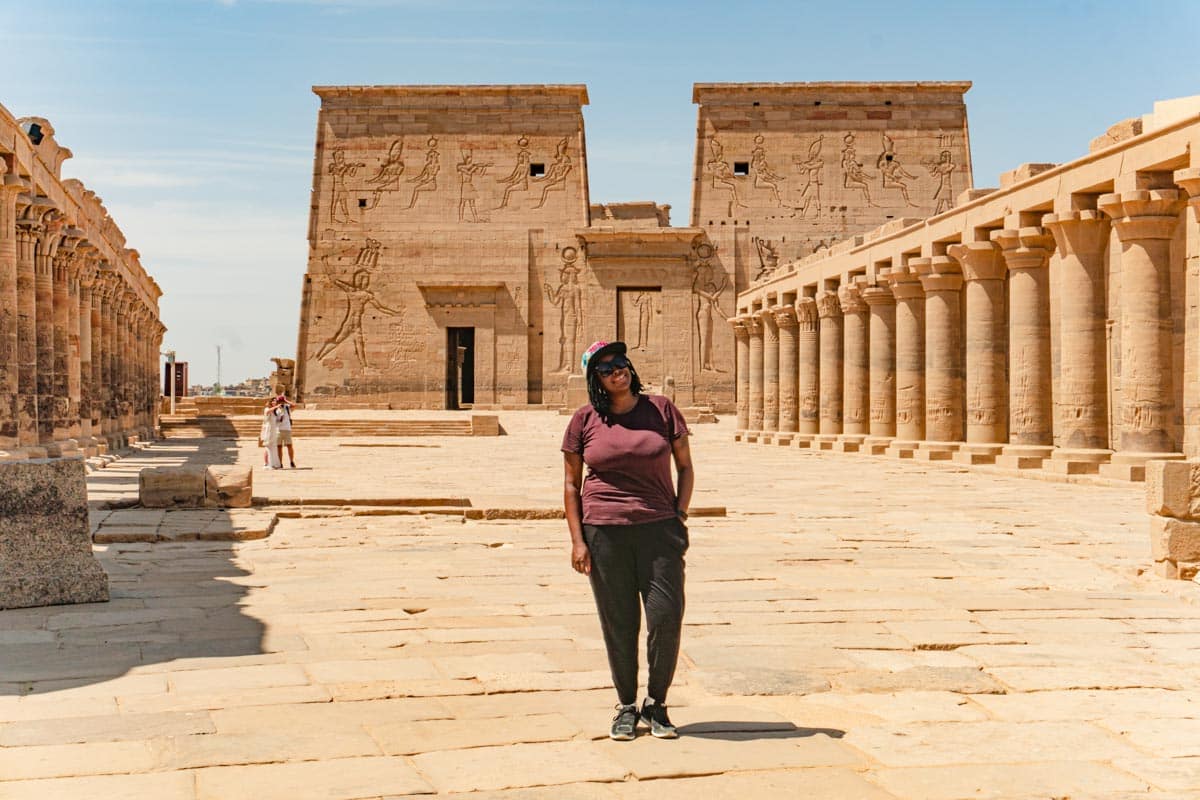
[599,350]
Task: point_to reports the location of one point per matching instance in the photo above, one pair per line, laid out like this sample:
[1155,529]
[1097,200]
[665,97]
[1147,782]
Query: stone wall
[79,325]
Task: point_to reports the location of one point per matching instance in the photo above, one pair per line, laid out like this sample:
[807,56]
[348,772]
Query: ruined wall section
[784,170]
[435,208]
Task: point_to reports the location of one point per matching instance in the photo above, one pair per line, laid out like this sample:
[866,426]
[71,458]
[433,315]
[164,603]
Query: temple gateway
[456,256]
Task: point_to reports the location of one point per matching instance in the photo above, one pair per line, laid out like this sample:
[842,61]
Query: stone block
[1173,489]
[485,425]
[45,543]
[167,487]
[1175,539]
[228,486]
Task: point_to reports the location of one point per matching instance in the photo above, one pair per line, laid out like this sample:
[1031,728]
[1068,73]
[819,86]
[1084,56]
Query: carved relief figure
[556,176]
[359,296]
[812,169]
[853,174]
[366,257]
[569,299]
[340,168]
[763,174]
[721,172]
[467,169]
[518,179]
[942,170]
[707,289]
[426,180]
[644,303]
[768,257]
[387,177]
[894,175]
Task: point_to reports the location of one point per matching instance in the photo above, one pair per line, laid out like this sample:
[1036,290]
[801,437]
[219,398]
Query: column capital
[740,329]
[828,305]
[851,300]
[754,326]
[1024,248]
[905,283]
[1081,232]
[980,261]
[1189,181]
[806,313]
[785,316]
[938,274]
[1142,214]
[878,295]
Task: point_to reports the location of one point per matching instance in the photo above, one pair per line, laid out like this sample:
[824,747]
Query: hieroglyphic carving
[556,176]
[282,380]
[426,179]
[340,169]
[387,177]
[366,257]
[764,176]
[467,169]
[893,175]
[722,173]
[707,288]
[518,179]
[853,174]
[768,257]
[359,296]
[569,299]
[812,169]
[942,169]
[644,303]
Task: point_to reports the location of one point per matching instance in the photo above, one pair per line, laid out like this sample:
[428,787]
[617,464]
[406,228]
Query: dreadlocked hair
[600,399]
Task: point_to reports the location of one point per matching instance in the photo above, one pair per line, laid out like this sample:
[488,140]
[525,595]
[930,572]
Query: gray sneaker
[624,724]
[655,716]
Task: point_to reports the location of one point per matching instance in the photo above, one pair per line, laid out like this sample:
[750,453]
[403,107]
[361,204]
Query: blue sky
[194,119]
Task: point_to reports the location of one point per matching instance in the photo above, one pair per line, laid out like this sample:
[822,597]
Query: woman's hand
[581,558]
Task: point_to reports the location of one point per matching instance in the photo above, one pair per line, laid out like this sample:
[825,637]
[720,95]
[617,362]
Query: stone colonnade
[79,326]
[1038,325]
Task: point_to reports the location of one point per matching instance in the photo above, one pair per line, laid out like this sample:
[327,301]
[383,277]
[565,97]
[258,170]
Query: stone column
[910,360]
[43,264]
[829,309]
[121,368]
[74,364]
[741,337]
[808,368]
[1081,407]
[770,375]
[109,423]
[986,351]
[882,305]
[1144,221]
[789,396]
[941,278]
[60,271]
[856,365]
[9,370]
[87,283]
[27,350]
[1030,427]
[754,429]
[1189,181]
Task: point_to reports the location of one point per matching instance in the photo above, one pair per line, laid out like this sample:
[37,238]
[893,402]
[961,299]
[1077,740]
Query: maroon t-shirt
[629,461]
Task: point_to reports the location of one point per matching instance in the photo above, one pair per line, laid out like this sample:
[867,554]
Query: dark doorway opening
[460,367]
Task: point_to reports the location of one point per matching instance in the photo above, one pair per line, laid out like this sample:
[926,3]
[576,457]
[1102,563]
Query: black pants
[645,560]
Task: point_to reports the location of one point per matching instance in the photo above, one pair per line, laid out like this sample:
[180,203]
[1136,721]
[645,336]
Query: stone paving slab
[944,634]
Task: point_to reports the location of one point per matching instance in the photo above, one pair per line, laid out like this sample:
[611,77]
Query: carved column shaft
[108,324]
[9,370]
[756,375]
[66,319]
[87,279]
[789,397]
[830,312]
[770,372]
[882,307]
[910,354]
[44,269]
[808,358]
[1026,252]
[27,350]
[1081,407]
[741,338]
[856,383]
[986,348]
[1145,221]
[942,281]
[121,367]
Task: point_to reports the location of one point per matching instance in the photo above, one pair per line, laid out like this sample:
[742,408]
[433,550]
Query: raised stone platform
[45,551]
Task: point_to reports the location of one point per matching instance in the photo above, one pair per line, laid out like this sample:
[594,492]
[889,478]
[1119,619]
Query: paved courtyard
[857,627]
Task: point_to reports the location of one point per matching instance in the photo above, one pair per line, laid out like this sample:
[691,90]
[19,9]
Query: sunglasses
[609,367]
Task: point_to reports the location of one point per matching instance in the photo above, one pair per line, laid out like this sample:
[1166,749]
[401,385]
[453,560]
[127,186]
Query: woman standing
[268,437]
[627,526]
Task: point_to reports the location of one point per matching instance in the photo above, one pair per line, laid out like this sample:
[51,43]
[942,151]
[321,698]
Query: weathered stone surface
[228,486]
[1173,489]
[168,487]
[338,779]
[1174,539]
[516,765]
[45,551]
[1057,778]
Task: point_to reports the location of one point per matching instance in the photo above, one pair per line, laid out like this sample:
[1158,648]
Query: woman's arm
[581,558]
[686,475]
